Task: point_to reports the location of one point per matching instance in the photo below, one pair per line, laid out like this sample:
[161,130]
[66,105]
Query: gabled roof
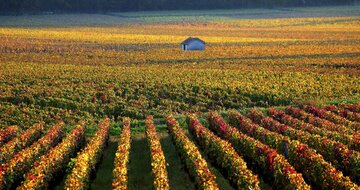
[190,39]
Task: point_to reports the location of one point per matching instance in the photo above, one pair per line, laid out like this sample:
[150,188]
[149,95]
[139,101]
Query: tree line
[41,6]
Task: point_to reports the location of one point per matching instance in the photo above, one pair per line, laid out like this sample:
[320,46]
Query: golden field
[137,68]
[272,103]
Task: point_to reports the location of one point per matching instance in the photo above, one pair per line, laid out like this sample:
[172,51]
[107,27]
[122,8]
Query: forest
[17,7]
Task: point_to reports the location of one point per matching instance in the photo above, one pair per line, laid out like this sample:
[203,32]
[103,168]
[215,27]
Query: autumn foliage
[87,159]
[120,173]
[49,165]
[158,162]
[195,163]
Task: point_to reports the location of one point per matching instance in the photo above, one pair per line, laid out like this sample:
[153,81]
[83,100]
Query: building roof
[190,39]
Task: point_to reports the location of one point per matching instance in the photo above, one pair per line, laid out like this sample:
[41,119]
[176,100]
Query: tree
[32,6]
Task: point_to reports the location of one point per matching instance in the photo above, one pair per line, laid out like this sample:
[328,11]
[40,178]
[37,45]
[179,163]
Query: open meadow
[82,68]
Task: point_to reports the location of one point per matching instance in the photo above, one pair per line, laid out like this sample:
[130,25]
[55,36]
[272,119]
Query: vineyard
[87,67]
[291,148]
[110,101]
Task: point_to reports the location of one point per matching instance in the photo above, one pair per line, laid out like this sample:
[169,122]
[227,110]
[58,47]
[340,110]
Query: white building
[193,44]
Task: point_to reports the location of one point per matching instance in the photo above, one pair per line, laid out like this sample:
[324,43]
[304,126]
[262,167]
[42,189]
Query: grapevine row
[24,140]
[285,176]
[50,164]
[352,116]
[318,122]
[158,161]
[8,133]
[22,162]
[332,151]
[299,155]
[224,156]
[328,115]
[120,178]
[87,159]
[196,165]
[353,107]
[352,141]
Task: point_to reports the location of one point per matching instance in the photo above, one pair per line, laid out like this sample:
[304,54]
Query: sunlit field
[134,68]
[82,68]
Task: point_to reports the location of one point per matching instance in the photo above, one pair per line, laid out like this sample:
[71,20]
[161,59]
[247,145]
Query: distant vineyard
[101,101]
[118,68]
[292,148]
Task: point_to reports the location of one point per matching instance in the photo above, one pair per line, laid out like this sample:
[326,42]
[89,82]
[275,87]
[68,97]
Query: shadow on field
[139,165]
[103,176]
[178,177]
[272,57]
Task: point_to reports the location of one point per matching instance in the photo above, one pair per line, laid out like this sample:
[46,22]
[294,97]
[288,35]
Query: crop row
[87,159]
[298,154]
[272,163]
[51,164]
[120,177]
[21,163]
[353,107]
[325,114]
[352,141]
[285,153]
[8,133]
[195,163]
[24,140]
[345,113]
[337,153]
[318,122]
[223,154]
[158,161]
